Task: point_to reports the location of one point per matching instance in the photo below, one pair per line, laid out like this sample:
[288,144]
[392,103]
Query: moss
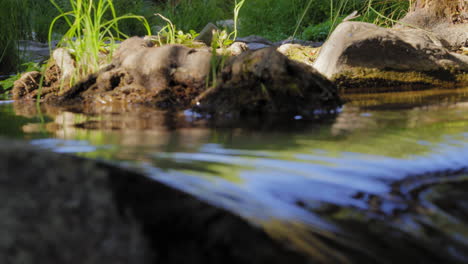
[373,80]
[304,54]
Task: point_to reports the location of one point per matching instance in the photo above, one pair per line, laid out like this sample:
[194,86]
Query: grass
[380,12]
[14,25]
[273,19]
[93,30]
[195,14]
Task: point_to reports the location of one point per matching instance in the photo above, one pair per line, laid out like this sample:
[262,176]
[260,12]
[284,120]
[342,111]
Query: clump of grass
[379,12]
[170,35]
[14,25]
[277,19]
[384,13]
[195,14]
[91,35]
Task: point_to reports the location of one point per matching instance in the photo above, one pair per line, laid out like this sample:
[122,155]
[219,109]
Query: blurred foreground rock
[63,209]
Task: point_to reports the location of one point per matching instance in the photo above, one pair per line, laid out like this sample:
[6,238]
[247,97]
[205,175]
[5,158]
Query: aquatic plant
[91,34]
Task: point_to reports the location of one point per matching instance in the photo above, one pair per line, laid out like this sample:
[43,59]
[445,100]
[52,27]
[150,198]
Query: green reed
[93,29]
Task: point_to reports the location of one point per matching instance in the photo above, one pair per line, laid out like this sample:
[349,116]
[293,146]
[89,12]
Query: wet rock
[206,35]
[359,51]
[304,54]
[255,39]
[313,44]
[257,46]
[255,42]
[266,81]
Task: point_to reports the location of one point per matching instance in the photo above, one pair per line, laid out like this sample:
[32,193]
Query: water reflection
[388,172]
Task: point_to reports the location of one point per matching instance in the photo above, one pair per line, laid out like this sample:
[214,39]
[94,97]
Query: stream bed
[385,174]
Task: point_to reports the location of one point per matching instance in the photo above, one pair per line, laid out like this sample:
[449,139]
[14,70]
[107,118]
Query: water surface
[385,171]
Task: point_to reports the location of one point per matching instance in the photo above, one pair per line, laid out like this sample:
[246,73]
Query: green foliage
[277,19]
[237,8]
[14,25]
[91,33]
[170,35]
[384,13]
[318,32]
[195,14]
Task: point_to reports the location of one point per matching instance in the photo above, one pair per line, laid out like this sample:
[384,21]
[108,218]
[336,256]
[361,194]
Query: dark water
[384,179]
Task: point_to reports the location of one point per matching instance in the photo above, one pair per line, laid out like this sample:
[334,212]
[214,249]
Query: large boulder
[266,81]
[364,54]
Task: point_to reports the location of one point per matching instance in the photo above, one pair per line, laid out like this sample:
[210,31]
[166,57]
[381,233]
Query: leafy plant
[318,32]
[91,36]
[170,35]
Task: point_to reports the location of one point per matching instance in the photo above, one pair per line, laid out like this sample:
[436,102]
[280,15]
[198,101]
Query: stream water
[386,173]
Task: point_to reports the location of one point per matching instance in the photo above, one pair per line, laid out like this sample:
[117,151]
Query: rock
[266,81]
[257,46]
[170,77]
[63,209]
[237,48]
[65,62]
[313,44]
[27,83]
[57,209]
[255,39]
[454,35]
[167,77]
[304,54]
[357,50]
[206,35]
[226,24]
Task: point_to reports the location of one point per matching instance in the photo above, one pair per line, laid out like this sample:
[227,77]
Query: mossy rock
[297,52]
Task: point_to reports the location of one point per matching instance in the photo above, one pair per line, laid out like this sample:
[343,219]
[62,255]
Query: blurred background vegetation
[273,19]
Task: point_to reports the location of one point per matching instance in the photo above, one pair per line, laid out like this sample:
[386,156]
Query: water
[386,173]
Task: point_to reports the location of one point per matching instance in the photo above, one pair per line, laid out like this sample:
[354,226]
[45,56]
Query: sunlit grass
[91,35]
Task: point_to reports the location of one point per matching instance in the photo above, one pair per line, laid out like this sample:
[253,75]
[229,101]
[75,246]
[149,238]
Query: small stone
[206,35]
[65,62]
